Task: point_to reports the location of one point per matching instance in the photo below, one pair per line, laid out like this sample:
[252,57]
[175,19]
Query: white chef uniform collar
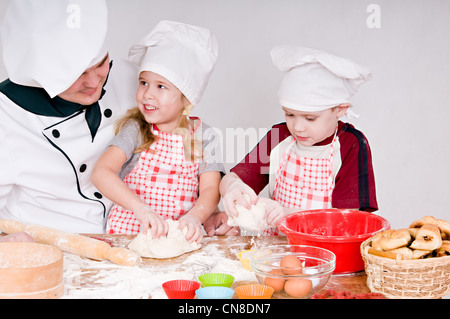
[183,54]
[315,80]
[50,43]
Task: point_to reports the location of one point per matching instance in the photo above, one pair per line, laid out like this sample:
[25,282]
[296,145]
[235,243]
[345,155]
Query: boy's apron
[303,182]
[163,179]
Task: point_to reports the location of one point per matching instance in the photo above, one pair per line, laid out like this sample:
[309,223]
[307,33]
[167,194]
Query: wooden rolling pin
[9,226]
[74,243]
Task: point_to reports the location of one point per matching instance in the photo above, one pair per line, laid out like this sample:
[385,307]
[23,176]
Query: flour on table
[172,245]
[89,279]
[250,219]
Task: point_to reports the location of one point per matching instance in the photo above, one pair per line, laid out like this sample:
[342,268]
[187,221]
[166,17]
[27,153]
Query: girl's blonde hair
[192,147]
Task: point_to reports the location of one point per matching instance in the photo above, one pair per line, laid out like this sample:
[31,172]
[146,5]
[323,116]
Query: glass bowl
[313,272]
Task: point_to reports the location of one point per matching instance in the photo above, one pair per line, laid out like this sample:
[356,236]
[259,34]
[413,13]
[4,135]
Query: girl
[316,160]
[161,164]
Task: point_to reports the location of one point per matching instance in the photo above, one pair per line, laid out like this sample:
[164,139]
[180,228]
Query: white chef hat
[50,43]
[315,80]
[183,54]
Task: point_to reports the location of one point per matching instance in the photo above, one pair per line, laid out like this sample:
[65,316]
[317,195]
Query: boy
[316,161]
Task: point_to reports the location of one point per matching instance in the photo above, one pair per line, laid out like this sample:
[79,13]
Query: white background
[404,110]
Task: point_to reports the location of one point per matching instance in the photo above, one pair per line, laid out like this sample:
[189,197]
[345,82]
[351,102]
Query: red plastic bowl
[340,230]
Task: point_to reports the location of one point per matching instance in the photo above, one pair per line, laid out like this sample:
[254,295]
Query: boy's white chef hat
[50,43]
[315,80]
[183,54]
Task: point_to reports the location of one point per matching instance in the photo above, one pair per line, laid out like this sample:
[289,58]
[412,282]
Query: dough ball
[172,245]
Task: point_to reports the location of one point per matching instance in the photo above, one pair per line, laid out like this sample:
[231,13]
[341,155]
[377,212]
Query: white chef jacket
[46,162]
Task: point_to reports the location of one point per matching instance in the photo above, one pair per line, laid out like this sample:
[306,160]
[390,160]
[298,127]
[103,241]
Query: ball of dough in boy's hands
[238,193]
[253,219]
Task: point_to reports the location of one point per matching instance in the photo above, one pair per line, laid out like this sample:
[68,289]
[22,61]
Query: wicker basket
[406,279]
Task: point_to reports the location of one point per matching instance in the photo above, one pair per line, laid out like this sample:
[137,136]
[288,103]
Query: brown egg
[298,287]
[276,283]
[291,265]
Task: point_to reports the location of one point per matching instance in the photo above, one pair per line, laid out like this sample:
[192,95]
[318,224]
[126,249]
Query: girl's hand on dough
[149,219]
[194,227]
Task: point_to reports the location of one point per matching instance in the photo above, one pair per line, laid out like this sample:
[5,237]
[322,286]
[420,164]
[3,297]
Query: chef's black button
[83,168]
[98,195]
[56,133]
[107,113]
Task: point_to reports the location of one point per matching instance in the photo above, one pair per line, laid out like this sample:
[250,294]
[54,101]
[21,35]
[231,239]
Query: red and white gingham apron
[304,182]
[164,180]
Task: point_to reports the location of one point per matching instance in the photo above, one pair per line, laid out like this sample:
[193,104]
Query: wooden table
[91,279]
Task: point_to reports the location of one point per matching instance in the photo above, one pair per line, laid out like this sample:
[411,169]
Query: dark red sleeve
[254,168]
[355,181]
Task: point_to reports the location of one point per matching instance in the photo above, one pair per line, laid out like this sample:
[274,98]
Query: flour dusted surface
[89,279]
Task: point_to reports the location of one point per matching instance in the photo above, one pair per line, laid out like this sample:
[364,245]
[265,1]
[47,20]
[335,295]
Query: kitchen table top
[85,278]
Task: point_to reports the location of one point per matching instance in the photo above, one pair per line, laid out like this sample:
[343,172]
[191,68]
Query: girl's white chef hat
[315,80]
[50,43]
[183,54]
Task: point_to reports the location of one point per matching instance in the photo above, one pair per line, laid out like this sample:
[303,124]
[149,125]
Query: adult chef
[57,111]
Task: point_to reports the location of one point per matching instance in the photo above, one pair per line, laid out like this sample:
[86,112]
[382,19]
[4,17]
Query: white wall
[403,111]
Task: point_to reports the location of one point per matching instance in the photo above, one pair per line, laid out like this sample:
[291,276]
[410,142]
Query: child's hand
[17,237]
[235,195]
[216,225]
[146,217]
[274,211]
[194,227]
